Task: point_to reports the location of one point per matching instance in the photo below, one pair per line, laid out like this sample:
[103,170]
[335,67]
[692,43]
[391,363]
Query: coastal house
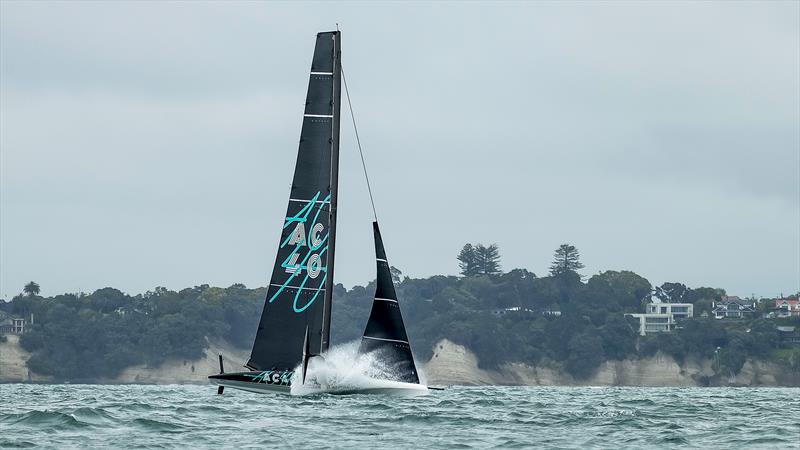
[12,325]
[732,307]
[521,310]
[787,307]
[511,310]
[662,317]
[789,335]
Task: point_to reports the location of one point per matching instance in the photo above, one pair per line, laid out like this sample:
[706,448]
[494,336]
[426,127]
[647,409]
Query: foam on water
[343,369]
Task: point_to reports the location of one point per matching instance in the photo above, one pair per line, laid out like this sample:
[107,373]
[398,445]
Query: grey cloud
[152,144]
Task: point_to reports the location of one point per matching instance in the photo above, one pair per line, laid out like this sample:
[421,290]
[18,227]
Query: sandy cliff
[182,371]
[451,364]
[174,371]
[454,364]
[12,362]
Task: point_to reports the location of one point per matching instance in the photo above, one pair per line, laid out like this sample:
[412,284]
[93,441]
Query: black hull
[273,382]
[256,381]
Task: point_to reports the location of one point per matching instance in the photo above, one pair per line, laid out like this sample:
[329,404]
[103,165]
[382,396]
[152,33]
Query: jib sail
[385,332]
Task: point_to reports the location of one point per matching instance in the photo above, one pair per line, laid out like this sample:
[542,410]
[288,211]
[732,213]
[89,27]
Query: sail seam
[386,299]
[296,287]
[384,339]
[326,116]
[321,73]
[306,201]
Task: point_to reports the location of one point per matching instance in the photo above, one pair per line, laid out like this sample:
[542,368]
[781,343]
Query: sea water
[137,416]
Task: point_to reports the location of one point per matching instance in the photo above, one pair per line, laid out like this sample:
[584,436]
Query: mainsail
[385,333]
[298,298]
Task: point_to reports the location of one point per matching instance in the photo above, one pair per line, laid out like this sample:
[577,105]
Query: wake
[343,370]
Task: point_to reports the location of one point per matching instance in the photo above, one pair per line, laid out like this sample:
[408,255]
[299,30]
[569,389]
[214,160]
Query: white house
[787,307]
[662,317]
[733,307]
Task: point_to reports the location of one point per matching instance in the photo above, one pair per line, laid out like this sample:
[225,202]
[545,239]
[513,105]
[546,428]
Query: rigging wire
[358,141]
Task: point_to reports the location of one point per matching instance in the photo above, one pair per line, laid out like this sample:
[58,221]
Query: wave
[157,425]
[93,415]
[38,419]
[8,443]
[484,417]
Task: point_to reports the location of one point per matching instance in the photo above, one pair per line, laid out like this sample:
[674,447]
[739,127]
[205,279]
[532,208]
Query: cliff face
[454,364]
[451,364]
[12,363]
[174,371]
[182,371]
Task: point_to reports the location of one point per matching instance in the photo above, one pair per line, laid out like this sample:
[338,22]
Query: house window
[657,320]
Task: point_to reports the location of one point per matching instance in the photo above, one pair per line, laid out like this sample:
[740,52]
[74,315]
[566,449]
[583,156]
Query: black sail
[299,292]
[385,332]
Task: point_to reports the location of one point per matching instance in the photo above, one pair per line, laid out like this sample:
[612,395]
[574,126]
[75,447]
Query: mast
[334,190]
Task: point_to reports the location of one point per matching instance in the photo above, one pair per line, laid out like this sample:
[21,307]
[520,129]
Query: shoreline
[450,365]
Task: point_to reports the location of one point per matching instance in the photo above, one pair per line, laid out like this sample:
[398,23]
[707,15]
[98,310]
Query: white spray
[344,369]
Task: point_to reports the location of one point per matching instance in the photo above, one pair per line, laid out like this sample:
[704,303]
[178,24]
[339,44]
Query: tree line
[559,319]
[482,259]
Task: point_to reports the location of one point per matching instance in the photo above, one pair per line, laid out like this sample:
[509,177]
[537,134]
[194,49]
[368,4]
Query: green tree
[673,293]
[704,293]
[467,261]
[764,335]
[794,359]
[617,291]
[585,355]
[487,259]
[515,288]
[31,289]
[618,337]
[567,259]
[732,358]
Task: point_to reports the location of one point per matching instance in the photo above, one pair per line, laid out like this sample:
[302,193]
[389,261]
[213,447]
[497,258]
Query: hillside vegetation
[559,319]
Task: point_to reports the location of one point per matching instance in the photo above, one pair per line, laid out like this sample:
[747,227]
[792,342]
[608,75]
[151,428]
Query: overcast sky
[148,144]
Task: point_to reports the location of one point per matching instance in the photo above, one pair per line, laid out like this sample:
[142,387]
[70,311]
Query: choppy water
[64,416]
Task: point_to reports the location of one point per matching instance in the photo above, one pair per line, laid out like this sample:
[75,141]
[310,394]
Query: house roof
[787,301]
[735,299]
[734,306]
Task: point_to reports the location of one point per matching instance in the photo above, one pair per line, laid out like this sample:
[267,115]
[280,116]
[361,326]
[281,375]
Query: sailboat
[295,323]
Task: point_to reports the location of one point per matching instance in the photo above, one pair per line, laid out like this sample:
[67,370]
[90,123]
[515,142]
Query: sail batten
[298,297]
[385,339]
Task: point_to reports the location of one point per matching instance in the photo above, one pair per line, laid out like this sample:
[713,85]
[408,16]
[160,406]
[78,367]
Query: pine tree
[467,261]
[567,259]
[488,259]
